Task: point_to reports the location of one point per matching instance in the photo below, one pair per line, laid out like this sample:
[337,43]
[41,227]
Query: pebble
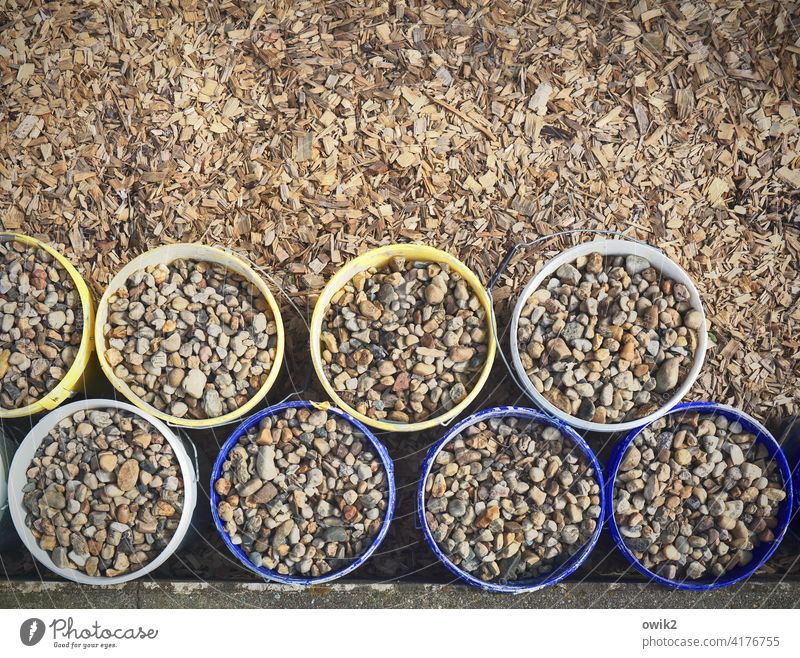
[265,463]
[191,338]
[54,498]
[681,496]
[107,461]
[635,264]
[296,507]
[128,475]
[508,499]
[41,323]
[668,374]
[59,557]
[404,342]
[105,515]
[693,319]
[171,343]
[629,340]
[56,319]
[212,403]
[568,274]
[194,383]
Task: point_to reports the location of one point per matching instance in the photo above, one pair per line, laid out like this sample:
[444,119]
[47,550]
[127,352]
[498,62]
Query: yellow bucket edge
[72,381]
[226,256]
[377,258]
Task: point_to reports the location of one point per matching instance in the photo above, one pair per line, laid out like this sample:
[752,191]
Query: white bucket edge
[17,480]
[661,262]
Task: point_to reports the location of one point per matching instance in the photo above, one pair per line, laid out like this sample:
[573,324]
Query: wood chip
[791,176]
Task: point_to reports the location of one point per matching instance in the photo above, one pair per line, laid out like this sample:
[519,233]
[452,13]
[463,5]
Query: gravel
[405,342]
[191,338]
[509,499]
[95,496]
[41,323]
[302,493]
[608,339]
[695,494]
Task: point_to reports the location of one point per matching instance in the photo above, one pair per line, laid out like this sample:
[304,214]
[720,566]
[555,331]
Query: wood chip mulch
[303,133]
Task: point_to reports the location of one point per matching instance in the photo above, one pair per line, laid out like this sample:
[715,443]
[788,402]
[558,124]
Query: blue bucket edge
[530,585]
[762,434]
[242,430]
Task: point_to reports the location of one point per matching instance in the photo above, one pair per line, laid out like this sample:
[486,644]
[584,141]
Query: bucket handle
[185,438]
[263,272]
[241,420]
[550,236]
[504,265]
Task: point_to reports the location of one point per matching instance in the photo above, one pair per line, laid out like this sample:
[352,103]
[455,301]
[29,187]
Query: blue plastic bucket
[530,584]
[762,552]
[241,431]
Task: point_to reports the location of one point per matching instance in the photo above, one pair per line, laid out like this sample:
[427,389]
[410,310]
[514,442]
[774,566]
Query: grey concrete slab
[165,594]
[56,595]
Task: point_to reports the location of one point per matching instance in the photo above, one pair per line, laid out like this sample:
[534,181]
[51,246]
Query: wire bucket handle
[183,435]
[501,268]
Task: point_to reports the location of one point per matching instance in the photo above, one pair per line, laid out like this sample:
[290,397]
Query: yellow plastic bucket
[167,254]
[378,258]
[73,379]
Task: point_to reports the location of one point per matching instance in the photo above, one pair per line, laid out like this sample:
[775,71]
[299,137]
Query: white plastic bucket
[17,480]
[7,448]
[663,264]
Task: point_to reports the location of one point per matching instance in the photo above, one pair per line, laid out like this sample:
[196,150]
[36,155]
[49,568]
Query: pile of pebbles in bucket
[104,492]
[191,338]
[695,494]
[511,499]
[302,493]
[404,342]
[41,323]
[608,338]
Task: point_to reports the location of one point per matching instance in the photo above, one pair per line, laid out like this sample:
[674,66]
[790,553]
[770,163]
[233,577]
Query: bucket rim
[241,430]
[562,571]
[21,461]
[762,435]
[224,257]
[371,258]
[66,386]
[658,259]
